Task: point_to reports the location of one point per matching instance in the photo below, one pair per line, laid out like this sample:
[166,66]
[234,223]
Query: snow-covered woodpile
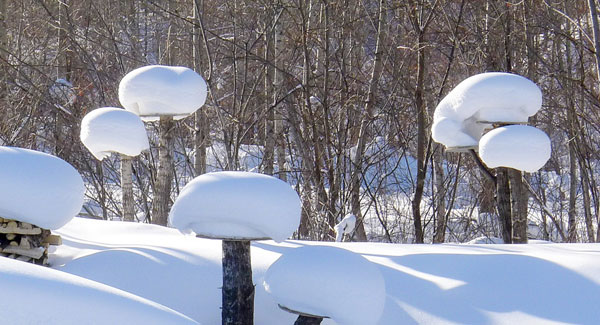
[25,242]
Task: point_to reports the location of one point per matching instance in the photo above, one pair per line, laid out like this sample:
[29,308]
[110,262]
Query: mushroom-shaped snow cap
[38,188]
[157,90]
[329,282]
[461,117]
[516,146]
[237,205]
[110,129]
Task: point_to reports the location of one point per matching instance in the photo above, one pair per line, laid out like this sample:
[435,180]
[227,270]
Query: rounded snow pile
[516,146]
[237,205]
[158,90]
[328,282]
[40,295]
[38,188]
[486,97]
[110,129]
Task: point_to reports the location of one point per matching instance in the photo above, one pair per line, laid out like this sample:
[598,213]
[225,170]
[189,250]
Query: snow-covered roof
[520,147]
[328,282]
[38,188]
[40,295]
[110,129]
[461,117]
[237,205]
[156,90]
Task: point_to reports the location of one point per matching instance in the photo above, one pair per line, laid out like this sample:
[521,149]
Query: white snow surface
[485,97]
[38,188]
[346,226]
[40,295]
[156,90]
[425,284]
[237,205]
[520,147]
[329,282]
[110,129]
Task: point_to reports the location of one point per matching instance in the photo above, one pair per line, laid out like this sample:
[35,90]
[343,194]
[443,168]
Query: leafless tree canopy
[334,96]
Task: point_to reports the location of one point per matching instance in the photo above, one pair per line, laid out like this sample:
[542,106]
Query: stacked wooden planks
[25,242]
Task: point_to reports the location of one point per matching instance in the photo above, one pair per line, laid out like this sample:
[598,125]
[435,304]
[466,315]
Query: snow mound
[237,205]
[485,240]
[110,129]
[38,188]
[516,146]
[346,226]
[156,90]
[486,97]
[328,281]
[40,295]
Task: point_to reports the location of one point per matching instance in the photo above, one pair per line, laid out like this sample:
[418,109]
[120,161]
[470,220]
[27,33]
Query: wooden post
[307,320]
[164,177]
[503,201]
[238,289]
[127,188]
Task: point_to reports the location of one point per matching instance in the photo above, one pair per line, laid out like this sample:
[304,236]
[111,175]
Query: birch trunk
[127,188]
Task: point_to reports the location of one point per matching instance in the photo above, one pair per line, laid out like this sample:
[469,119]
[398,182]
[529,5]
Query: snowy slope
[37,295]
[425,284]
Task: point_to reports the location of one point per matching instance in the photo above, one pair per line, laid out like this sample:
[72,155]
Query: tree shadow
[491,284]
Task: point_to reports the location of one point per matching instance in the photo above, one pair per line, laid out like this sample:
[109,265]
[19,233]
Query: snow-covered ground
[425,284]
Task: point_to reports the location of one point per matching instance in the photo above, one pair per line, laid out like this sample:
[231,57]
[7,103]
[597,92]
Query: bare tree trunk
[200,118]
[200,141]
[572,213]
[127,188]
[596,30]
[440,221]
[519,207]
[589,226]
[268,161]
[238,289]
[278,48]
[421,142]
[164,175]
[355,182]
[503,203]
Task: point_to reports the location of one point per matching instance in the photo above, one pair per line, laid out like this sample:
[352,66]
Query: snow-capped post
[166,94]
[38,192]
[110,129]
[237,207]
[316,282]
[499,102]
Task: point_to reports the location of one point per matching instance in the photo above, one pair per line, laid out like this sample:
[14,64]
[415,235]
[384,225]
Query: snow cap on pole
[235,205]
[157,90]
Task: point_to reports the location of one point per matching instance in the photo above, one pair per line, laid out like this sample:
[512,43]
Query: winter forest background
[334,97]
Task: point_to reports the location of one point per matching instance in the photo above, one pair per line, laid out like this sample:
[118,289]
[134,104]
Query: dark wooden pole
[238,289]
[307,320]
[504,206]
